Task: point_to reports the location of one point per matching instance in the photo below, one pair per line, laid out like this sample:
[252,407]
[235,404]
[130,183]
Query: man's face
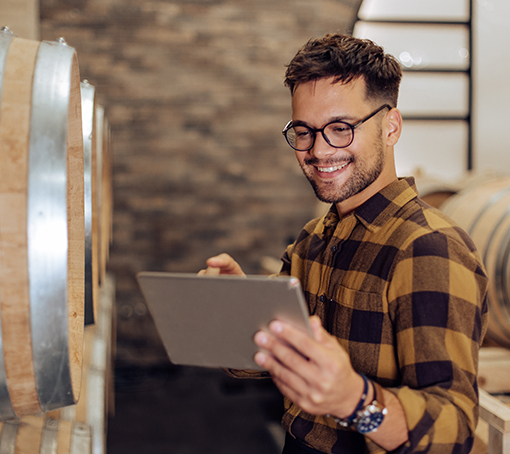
[338,174]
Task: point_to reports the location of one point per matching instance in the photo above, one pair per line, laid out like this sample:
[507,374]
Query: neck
[347,206]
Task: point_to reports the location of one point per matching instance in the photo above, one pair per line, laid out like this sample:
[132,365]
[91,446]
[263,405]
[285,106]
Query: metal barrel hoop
[48,229]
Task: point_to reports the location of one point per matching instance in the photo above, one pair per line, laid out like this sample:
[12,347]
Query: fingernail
[276,327]
[261,338]
[260,358]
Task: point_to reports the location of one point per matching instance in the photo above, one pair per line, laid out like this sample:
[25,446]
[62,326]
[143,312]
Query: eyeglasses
[338,134]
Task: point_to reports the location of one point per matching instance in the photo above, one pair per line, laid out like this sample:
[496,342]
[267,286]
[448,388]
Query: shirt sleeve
[437,298]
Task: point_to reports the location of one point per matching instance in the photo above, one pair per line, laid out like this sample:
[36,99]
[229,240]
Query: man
[397,292]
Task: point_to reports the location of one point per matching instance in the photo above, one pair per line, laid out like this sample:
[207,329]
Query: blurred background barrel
[98,197]
[482,209]
[41,226]
[104,190]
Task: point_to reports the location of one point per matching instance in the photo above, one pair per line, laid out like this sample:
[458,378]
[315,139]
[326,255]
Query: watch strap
[378,393]
[371,416]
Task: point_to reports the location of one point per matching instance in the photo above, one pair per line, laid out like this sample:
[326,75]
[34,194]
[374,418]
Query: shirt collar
[381,207]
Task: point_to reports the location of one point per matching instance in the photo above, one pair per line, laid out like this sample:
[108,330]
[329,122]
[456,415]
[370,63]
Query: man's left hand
[314,372]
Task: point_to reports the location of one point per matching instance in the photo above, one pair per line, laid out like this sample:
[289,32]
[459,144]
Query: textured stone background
[194,96]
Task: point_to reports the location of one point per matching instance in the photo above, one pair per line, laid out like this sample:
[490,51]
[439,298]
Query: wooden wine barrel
[38,435]
[97,394]
[42,233]
[482,209]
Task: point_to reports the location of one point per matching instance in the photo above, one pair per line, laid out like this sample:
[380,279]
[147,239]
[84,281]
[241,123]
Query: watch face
[370,418]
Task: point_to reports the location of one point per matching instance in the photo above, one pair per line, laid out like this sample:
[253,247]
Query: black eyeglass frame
[321,130]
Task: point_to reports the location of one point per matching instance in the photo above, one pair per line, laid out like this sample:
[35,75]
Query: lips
[331,169]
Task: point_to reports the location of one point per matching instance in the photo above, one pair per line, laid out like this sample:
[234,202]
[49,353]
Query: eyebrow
[344,118]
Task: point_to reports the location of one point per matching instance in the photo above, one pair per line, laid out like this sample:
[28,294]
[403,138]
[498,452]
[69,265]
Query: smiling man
[341,170]
[396,290]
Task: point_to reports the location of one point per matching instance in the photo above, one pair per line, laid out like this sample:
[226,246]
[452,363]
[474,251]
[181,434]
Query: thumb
[320,334]
[317,329]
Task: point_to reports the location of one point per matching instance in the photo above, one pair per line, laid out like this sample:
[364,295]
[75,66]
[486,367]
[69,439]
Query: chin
[344,191]
[329,196]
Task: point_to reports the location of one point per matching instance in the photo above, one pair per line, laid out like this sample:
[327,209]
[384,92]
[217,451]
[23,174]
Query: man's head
[345,58]
[344,118]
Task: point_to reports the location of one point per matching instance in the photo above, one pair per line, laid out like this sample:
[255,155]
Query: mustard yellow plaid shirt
[404,291]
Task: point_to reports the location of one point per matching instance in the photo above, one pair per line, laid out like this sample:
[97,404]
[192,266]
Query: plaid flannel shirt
[404,291]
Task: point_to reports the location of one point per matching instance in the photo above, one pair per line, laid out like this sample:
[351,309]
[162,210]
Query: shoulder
[433,248]
[428,229]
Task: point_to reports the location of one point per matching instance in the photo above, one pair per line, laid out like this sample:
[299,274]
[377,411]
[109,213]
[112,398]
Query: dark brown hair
[346,58]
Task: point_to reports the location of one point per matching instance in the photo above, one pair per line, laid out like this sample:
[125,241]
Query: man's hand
[315,373]
[222,264]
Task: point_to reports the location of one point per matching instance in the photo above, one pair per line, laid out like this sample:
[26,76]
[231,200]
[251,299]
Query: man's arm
[437,299]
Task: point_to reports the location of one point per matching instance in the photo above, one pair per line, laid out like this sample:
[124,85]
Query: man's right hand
[222,264]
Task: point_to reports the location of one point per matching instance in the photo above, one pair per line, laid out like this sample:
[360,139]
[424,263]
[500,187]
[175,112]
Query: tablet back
[210,321]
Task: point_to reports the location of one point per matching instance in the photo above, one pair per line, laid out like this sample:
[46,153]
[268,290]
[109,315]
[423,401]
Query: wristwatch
[370,417]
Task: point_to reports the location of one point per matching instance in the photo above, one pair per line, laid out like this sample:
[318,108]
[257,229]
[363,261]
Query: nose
[321,148]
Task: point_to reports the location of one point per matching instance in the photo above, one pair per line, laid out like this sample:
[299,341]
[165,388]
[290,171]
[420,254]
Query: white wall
[491,90]
[434,95]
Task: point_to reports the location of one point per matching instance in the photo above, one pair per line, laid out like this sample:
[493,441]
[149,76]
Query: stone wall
[193,93]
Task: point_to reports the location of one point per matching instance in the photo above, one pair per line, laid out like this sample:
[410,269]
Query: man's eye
[339,129]
[302,132]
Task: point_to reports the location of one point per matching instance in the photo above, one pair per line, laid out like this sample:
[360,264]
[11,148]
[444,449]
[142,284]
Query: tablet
[210,321]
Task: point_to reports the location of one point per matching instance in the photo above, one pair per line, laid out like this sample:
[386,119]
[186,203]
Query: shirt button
[334,248]
[322,298]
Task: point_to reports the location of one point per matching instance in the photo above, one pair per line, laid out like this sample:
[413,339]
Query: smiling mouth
[332,169]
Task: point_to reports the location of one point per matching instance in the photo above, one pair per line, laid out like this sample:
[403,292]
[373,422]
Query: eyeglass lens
[337,134]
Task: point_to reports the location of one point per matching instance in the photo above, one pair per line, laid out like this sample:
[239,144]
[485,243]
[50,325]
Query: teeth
[331,169]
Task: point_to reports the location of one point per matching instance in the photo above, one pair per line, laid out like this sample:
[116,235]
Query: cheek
[300,156]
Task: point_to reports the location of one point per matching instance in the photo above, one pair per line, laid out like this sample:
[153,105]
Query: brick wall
[193,93]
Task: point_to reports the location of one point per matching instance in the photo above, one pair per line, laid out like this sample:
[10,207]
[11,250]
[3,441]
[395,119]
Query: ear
[393,127]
